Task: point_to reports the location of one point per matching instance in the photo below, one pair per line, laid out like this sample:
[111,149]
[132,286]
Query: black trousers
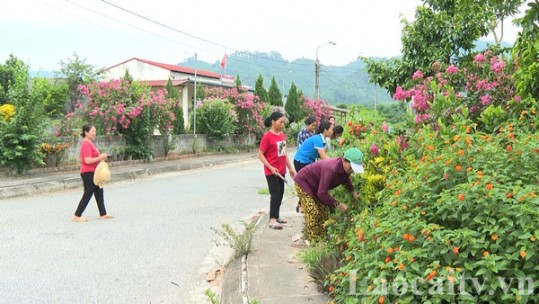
[298,166]
[276,189]
[91,189]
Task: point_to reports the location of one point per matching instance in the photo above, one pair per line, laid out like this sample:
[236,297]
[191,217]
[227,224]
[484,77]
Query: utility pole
[195,102]
[317,71]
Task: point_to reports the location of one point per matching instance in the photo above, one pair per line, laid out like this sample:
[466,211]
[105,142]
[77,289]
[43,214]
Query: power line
[191,35]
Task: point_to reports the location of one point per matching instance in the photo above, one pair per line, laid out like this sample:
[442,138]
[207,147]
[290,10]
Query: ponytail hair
[273,117]
[85,128]
[324,125]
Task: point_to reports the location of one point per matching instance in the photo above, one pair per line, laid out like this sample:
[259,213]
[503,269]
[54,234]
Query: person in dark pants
[272,153]
[90,158]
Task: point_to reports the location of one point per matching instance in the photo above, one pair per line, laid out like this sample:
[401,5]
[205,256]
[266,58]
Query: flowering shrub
[486,82]
[121,108]
[47,148]
[247,108]
[317,107]
[7,111]
[465,208]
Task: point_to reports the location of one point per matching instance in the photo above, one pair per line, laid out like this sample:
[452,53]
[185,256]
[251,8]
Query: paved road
[151,252]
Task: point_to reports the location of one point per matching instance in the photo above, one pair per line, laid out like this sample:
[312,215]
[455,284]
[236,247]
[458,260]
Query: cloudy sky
[107,32]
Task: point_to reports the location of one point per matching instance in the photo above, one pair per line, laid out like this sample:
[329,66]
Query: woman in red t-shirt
[272,153]
[89,159]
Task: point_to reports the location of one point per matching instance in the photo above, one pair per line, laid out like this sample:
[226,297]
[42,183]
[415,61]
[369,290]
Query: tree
[128,76]
[7,77]
[443,31]
[260,91]
[525,53]
[20,135]
[173,94]
[53,97]
[76,72]
[274,94]
[237,83]
[293,104]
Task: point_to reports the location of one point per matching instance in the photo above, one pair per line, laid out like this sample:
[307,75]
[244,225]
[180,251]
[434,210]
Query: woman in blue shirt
[313,147]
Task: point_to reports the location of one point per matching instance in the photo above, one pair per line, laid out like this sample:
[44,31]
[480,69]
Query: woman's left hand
[292,174]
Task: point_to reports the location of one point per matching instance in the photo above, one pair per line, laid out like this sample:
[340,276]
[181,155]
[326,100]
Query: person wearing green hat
[314,182]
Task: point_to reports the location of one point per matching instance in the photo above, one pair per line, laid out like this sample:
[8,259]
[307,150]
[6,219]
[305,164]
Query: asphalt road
[151,252]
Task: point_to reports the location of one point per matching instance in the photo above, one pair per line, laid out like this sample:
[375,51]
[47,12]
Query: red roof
[163,83]
[174,68]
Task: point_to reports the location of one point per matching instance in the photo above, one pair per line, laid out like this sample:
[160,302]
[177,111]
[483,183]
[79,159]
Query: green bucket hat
[355,157]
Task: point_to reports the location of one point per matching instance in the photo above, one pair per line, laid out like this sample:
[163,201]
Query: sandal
[276,226]
[281,221]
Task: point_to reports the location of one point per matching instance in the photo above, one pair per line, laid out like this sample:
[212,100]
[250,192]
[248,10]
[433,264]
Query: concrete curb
[219,257]
[119,173]
[235,281]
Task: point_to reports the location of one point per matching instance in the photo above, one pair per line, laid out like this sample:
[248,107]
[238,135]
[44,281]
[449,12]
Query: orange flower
[509,195]
[494,237]
[479,174]
[469,169]
[411,238]
[381,300]
[431,275]
[390,250]
[509,148]
[489,186]
[461,152]
[331,288]
[406,236]
[430,147]
[533,239]
[456,137]
[468,141]
[461,197]
[468,129]
[485,253]
[423,159]
[458,168]
[523,254]
[455,250]
[401,266]
[343,140]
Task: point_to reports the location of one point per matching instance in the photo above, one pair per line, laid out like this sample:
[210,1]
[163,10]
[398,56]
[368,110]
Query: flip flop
[276,226]
[281,221]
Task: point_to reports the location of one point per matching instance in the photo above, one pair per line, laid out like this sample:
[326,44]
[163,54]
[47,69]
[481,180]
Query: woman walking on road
[272,153]
[90,158]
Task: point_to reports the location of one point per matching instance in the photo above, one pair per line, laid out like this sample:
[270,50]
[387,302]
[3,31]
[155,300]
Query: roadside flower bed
[448,208]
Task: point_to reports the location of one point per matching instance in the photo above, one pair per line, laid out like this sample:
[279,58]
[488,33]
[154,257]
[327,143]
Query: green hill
[338,84]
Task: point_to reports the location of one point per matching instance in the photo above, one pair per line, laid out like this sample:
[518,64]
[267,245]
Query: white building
[157,74]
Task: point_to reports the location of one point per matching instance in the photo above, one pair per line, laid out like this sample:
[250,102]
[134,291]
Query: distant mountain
[347,84]
[337,84]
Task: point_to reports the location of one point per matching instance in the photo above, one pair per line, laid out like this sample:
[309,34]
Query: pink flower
[479,58]
[497,66]
[400,94]
[486,100]
[374,150]
[417,75]
[385,127]
[452,69]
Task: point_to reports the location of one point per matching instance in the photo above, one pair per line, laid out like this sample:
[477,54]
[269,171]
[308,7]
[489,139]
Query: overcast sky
[107,32]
